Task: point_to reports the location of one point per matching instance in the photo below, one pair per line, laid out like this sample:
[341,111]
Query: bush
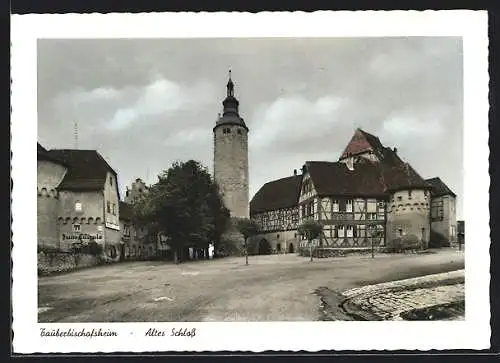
[47,249]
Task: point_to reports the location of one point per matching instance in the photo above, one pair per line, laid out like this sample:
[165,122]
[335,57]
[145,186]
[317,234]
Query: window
[348,206]
[277,236]
[76,227]
[111,180]
[114,209]
[437,210]
[349,231]
[239,131]
[108,206]
[400,198]
[340,231]
[140,190]
[400,232]
[226,130]
[335,205]
[78,206]
[409,194]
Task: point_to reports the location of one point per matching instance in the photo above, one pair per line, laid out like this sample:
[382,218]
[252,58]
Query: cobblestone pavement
[386,301]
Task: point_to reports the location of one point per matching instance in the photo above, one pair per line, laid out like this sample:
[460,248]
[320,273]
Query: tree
[248,228]
[311,229]
[185,206]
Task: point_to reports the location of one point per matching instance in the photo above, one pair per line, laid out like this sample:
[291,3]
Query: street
[270,288]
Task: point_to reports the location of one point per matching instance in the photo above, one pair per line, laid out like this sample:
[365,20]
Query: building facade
[443,211]
[138,190]
[274,207]
[137,244]
[78,200]
[369,197]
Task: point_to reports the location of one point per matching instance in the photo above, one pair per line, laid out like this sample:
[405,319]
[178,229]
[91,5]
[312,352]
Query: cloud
[292,118]
[80,97]
[189,138]
[160,97]
[404,127]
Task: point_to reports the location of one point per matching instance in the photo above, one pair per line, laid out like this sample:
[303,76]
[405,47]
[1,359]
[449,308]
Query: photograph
[257,179]
[238,182]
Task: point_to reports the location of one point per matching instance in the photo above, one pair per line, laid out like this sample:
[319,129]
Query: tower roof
[230,114]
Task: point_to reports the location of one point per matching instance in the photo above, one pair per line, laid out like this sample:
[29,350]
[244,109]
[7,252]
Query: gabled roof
[362,141]
[335,179]
[277,194]
[126,211]
[366,179]
[87,169]
[439,188]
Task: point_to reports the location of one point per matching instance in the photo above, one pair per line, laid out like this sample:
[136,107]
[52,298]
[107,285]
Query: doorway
[290,248]
[264,247]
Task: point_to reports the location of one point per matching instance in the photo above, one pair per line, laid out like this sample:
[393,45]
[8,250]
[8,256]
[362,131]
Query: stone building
[231,156]
[136,192]
[370,196]
[78,200]
[136,243]
[443,212]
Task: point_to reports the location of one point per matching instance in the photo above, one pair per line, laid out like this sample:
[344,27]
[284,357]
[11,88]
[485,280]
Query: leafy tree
[184,205]
[311,229]
[248,228]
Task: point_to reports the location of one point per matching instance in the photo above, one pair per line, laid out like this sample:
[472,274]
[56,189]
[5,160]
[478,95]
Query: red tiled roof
[439,188]
[87,169]
[277,194]
[362,141]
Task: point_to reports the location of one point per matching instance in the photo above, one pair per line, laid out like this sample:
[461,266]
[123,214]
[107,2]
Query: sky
[146,103]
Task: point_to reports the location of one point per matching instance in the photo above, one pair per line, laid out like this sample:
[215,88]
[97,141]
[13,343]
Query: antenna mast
[76,134]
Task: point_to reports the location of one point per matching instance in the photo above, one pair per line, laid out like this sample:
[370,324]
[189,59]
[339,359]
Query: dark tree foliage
[185,205]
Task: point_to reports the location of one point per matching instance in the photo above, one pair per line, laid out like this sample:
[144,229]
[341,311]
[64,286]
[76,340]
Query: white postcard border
[473,333]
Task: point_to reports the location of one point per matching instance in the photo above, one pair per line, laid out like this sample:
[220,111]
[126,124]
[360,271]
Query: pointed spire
[230,86]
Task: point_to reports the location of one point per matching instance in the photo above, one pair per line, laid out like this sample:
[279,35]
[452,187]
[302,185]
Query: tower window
[78,207]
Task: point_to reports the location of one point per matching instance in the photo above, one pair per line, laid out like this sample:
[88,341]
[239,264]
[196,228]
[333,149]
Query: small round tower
[231,156]
[408,215]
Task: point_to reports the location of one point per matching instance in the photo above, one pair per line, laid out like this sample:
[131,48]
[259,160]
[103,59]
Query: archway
[264,247]
[290,248]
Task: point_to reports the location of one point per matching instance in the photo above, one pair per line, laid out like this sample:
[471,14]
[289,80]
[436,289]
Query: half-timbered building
[274,207]
[369,197]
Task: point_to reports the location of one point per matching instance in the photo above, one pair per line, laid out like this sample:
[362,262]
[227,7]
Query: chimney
[350,163]
[395,150]
[295,172]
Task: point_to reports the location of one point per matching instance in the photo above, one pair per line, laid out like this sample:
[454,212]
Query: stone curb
[405,284]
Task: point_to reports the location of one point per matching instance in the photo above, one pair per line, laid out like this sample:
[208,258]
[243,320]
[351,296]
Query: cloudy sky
[144,104]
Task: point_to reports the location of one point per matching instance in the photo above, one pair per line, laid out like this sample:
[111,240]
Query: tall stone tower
[231,156]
